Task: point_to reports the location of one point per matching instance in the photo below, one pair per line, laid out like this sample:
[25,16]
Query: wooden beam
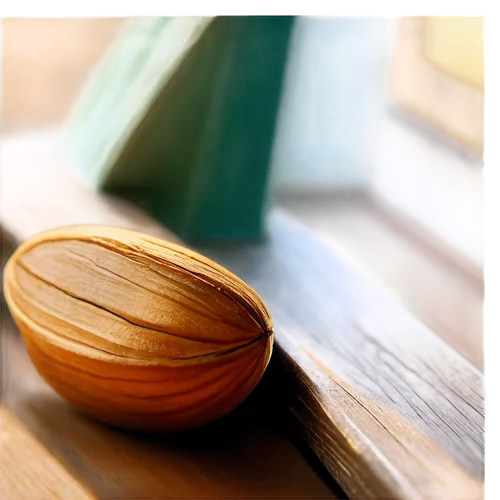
[388,405]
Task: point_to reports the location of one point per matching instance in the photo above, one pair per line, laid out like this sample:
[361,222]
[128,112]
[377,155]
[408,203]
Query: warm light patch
[455,44]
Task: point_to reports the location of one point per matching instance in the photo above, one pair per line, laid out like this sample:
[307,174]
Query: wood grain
[390,409]
[27,470]
[344,342]
[408,262]
[240,457]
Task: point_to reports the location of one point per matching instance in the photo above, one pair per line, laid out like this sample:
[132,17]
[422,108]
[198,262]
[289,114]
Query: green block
[180,119]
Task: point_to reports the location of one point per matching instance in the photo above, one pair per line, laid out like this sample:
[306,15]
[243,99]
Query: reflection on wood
[28,470]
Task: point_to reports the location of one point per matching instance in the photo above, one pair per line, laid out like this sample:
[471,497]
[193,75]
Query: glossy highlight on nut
[138,332]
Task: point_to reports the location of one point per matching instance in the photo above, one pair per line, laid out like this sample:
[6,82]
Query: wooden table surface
[47,450]
[387,406]
[50,450]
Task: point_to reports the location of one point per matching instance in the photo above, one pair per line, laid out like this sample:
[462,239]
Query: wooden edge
[388,246]
[388,406]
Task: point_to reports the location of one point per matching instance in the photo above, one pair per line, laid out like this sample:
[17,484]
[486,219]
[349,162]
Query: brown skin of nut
[135,331]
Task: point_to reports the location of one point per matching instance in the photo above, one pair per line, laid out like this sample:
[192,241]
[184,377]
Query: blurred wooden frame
[448,103]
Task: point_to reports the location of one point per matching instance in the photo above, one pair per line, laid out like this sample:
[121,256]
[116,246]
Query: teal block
[180,119]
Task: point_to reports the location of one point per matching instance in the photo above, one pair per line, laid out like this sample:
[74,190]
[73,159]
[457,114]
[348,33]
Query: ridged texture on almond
[136,331]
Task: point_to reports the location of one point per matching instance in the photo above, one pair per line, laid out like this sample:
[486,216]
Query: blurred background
[378,143]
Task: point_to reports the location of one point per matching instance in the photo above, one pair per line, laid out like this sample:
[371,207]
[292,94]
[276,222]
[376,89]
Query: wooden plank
[377,393]
[27,470]
[409,263]
[242,456]
[390,409]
